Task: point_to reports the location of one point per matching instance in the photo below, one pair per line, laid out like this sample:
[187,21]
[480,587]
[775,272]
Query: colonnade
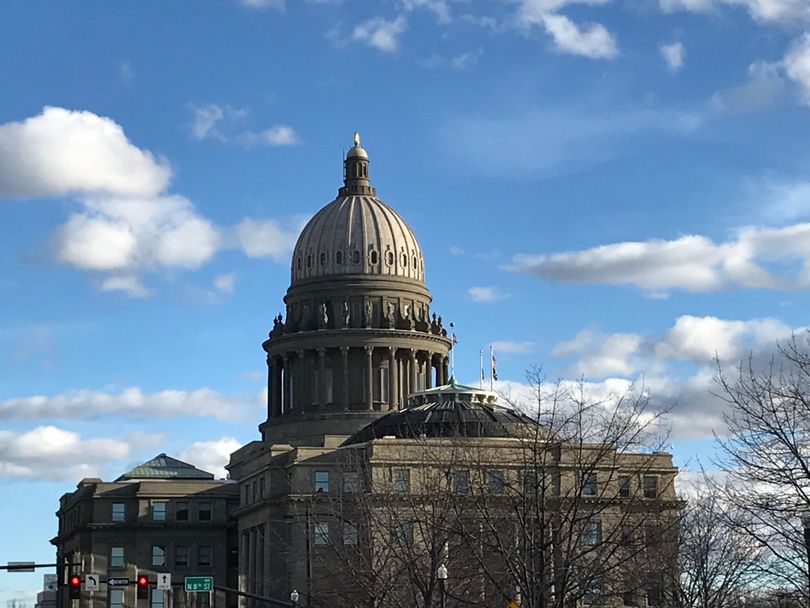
[290,377]
[253,545]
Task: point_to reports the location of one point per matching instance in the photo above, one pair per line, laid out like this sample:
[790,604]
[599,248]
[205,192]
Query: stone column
[369,377]
[252,562]
[429,371]
[299,399]
[392,379]
[344,352]
[271,387]
[286,366]
[412,362]
[277,392]
[445,377]
[322,376]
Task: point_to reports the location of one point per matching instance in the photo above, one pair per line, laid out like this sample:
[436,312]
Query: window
[309,261]
[351,482]
[626,536]
[402,481]
[589,484]
[204,511]
[628,598]
[389,258]
[158,555]
[321,533]
[592,534]
[655,591]
[204,556]
[157,598]
[405,260]
[321,482]
[117,557]
[373,257]
[323,259]
[261,486]
[495,481]
[328,383]
[624,486]
[116,598]
[356,256]
[118,511]
[652,536]
[181,556]
[529,482]
[402,533]
[592,592]
[349,534]
[461,482]
[650,483]
[159,510]
[181,512]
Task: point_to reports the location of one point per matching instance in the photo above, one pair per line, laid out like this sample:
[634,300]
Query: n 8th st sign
[199,583]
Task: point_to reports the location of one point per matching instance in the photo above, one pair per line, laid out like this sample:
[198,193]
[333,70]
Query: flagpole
[491,366]
[453,351]
[481,368]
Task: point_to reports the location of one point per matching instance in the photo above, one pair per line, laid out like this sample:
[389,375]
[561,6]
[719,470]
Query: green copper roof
[165,467]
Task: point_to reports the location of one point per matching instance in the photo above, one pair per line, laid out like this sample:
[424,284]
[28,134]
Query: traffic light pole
[253,596]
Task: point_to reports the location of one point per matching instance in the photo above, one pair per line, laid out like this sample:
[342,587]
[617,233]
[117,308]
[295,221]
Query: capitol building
[377,479]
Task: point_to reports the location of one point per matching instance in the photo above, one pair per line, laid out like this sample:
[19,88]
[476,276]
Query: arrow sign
[91,582]
[117,582]
[164,581]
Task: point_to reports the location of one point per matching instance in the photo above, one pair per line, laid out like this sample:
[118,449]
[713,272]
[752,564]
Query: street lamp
[294,597]
[441,574]
[806,525]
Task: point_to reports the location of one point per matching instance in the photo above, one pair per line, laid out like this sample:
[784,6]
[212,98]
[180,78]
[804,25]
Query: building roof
[165,467]
[452,410]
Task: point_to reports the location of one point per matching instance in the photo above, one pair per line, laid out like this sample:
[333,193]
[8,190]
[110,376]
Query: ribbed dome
[357,234]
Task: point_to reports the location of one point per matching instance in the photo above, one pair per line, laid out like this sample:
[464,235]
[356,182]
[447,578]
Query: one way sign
[164,581]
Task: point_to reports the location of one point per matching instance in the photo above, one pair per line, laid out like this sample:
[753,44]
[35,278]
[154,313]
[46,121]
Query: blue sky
[615,189]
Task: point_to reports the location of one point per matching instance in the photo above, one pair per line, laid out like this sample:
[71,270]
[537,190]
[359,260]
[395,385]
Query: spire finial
[357,139]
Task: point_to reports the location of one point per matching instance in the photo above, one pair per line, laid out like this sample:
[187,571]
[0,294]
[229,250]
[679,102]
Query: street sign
[164,581]
[117,582]
[91,582]
[21,566]
[199,583]
[51,582]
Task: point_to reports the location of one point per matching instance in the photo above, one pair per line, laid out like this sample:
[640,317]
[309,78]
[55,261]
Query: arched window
[309,261]
[339,257]
[298,262]
[405,260]
[356,256]
[389,258]
[415,263]
[373,257]
[323,258]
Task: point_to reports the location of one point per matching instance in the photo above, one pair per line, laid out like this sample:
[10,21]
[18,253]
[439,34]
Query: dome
[452,410]
[357,233]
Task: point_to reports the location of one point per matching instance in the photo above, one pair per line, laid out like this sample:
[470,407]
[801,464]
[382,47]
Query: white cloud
[797,65]
[691,263]
[130,402]
[278,5]
[212,121]
[48,452]
[266,238]
[673,55]
[440,8]
[787,12]
[211,456]
[486,294]
[380,33]
[512,347]
[763,88]
[462,61]
[279,135]
[126,72]
[225,283]
[129,284]
[61,152]
[601,354]
[591,40]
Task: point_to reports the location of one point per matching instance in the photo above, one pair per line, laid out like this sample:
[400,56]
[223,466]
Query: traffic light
[143,587]
[75,585]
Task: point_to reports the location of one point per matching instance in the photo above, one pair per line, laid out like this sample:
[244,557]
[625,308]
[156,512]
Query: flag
[494,365]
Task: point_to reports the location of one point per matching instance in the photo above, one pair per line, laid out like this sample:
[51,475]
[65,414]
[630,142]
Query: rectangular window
[349,534]
[204,556]
[158,510]
[116,598]
[402,533]
[624,486]
[652,536]
[650,483]
[592,534]
[261,487]
[118,511]
[351,482]
[529,483]
[117,557]
[655,592]
[181,556]
[402,481]
[461,482]
[626,537]
[181,512]
[321,482]
[158,555]
[589,484]
[204,511]
[592,592]
[321,533]
[496,482]
[157,598]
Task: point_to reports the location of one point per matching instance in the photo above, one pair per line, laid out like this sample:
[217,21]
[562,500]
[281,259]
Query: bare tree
[766,458]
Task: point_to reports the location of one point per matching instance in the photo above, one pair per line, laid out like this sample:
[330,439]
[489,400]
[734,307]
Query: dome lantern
[355,171]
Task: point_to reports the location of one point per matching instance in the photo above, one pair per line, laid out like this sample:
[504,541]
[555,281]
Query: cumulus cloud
[267,238]
[764,86]
[601,354]
[486,294]
[61,152]
[211,456]
[130,402]
[48,452]
[692,263]
[440,8]
[786,12]
[380,33]
[797,65]
[217,122]
[673,55]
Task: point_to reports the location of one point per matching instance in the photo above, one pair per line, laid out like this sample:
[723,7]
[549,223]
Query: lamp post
[441,574]
[294,598]
[806,526]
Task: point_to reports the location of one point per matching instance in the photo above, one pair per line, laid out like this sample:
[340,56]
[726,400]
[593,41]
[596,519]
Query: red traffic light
[75,581]
[143,581]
